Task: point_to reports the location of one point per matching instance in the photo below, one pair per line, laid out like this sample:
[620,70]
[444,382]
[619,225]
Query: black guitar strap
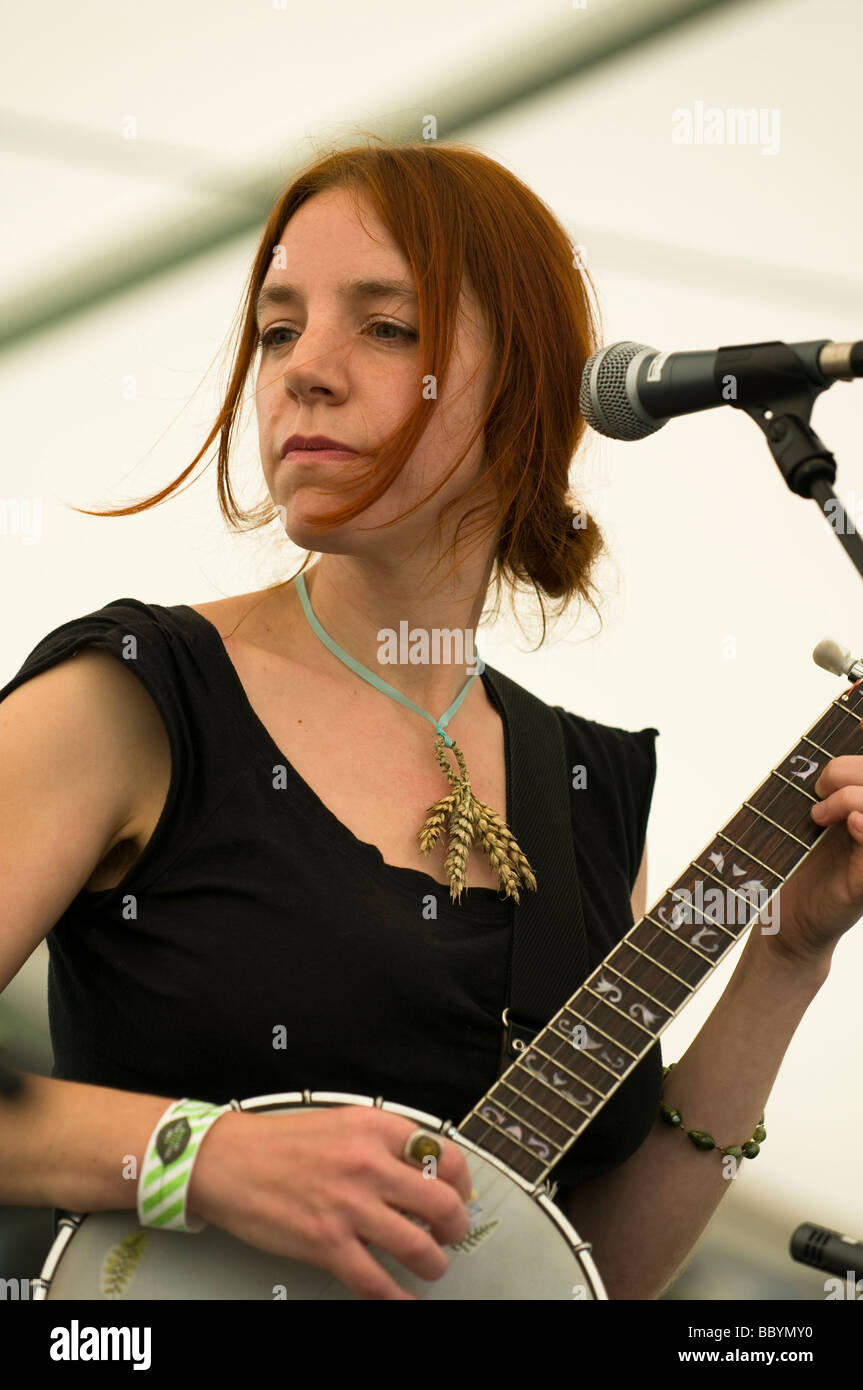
[548,943]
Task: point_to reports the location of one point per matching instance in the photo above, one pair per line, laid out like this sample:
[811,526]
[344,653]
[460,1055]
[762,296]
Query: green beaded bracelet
[702,1140]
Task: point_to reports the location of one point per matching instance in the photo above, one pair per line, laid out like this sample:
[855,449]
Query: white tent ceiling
[133,139]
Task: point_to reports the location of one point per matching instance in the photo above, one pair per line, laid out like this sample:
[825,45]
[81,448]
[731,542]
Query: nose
[317,363]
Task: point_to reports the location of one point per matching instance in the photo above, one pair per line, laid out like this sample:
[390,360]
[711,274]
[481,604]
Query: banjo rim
[281,1101]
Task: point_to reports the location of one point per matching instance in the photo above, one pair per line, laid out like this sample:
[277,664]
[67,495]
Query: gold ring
[421,1145]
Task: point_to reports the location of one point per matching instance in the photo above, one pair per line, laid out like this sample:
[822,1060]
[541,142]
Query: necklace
[465,818]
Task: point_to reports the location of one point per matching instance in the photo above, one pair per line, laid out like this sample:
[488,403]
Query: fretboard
[559,1083]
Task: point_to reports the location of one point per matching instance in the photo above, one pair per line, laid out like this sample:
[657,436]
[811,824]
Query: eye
[266,340]
[408,334]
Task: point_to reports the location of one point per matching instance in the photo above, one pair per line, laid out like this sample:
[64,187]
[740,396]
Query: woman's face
[345,364]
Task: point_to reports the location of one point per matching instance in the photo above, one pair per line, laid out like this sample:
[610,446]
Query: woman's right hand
[322,1184]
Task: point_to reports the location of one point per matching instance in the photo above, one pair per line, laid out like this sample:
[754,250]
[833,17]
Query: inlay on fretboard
[561,1081]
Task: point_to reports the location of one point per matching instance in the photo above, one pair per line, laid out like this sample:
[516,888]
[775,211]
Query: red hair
[458,215]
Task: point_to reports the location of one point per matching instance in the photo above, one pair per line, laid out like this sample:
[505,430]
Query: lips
[314,442]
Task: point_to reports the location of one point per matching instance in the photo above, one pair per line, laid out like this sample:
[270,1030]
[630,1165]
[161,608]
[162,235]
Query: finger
[838,806]
[411,1244]
[843,771]
[431,1199]
[362,1274]
[451,1166]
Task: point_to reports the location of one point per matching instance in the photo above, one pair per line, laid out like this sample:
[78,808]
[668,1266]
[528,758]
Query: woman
[239,901]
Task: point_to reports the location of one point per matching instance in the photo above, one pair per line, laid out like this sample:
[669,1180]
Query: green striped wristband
[168,1162]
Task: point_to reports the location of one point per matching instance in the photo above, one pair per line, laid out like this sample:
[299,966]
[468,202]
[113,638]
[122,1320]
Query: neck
[419,638]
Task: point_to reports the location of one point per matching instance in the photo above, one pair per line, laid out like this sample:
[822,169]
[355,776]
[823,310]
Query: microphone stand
[777,389]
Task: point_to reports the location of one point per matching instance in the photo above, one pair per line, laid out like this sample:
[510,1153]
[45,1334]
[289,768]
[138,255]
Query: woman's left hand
[824,897]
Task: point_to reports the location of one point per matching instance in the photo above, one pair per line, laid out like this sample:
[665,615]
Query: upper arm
[73,754]
[639,891]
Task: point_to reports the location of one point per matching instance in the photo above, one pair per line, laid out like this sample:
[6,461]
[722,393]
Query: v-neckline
[477,898]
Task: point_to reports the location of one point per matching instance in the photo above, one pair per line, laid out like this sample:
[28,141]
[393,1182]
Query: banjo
[520,1245]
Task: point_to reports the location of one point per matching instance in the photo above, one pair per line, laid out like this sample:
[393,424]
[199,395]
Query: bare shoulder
[93,722]
[254,626]
[221,612]
[138,742]
[226,614]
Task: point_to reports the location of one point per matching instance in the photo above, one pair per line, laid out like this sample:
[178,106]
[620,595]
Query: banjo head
[520,1245]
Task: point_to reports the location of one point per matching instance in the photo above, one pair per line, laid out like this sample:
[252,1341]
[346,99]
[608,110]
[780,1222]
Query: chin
[306,537]
[357,537]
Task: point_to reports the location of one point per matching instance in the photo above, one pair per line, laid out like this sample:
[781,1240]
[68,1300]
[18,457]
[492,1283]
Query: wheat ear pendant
[465,817]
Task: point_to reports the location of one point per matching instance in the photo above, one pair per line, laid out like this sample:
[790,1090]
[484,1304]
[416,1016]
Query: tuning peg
[838,660]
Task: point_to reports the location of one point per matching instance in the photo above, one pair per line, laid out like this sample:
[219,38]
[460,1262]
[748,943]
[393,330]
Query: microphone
[827,1250]
[629,391]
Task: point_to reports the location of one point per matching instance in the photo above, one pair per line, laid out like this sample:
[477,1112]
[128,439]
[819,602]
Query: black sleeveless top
[258,946]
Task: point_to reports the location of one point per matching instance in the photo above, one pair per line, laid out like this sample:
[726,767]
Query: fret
[780,828]
[619,1017]
[742,901]
[832,734]
[590,1069]
[620,989]
[564,1024]
[682,908]
[529,1071]
[784,806]
[681,898]
[753,835]
[807,739]
[489,1125]
[734,845]
[524,1108]
[855,691]
[558,1084]
[724,860]
[688,965]
[788,804]
[506,1109]
[515,1139]
[824,730]
[801,791]
[592,1044]
[654,961]
[539,1094]
[672,988]
[850,713]
[578,1107]
[699,943]
[809,768]
[558,1064]
[694,915]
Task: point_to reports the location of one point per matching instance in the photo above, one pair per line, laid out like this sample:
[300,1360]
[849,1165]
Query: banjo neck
[560,1081]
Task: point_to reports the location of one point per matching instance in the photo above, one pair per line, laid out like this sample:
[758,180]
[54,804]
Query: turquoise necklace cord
[465,817]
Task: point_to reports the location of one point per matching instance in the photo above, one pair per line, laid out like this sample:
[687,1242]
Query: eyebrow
[349,290]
